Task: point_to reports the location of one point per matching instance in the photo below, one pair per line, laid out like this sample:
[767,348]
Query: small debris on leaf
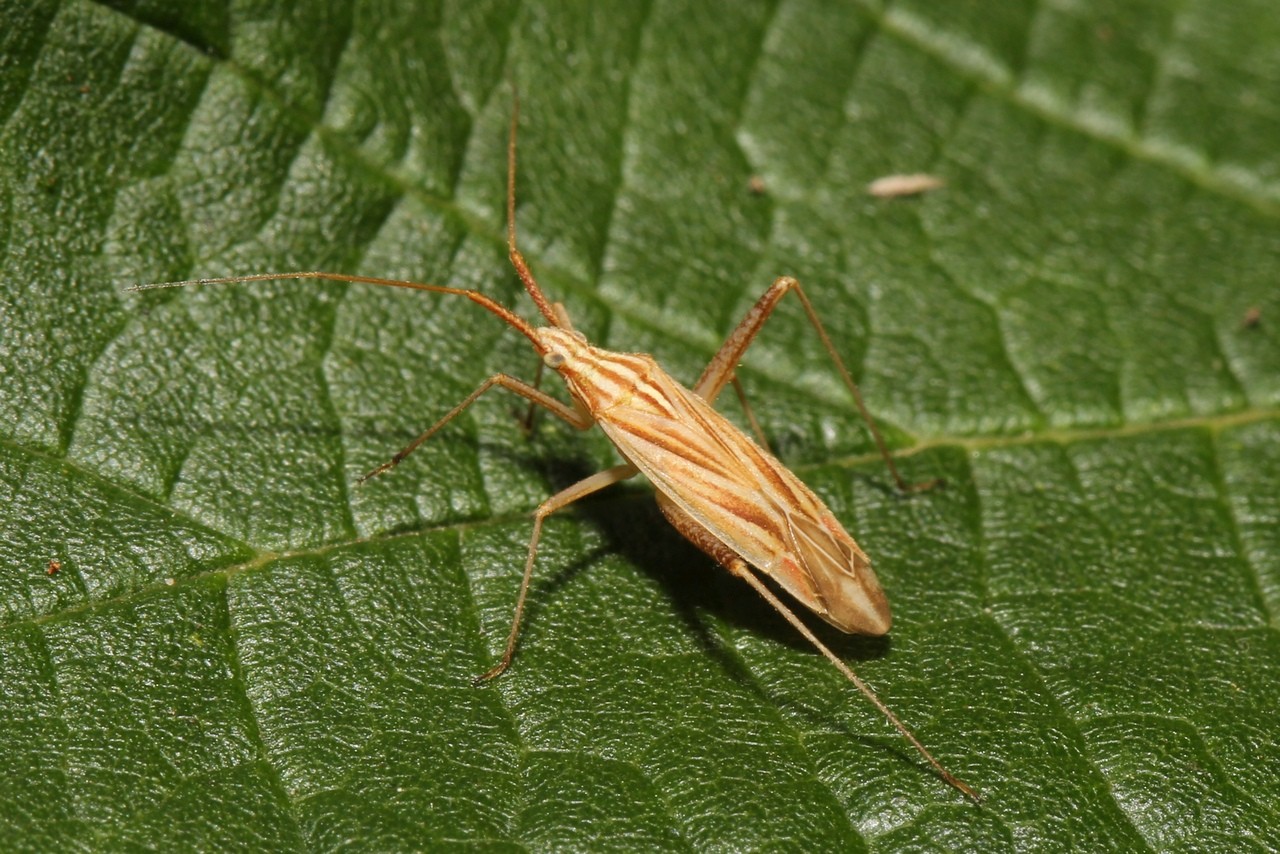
[893,186]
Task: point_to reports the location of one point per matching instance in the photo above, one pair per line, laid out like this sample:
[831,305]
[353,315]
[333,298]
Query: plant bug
[724,492]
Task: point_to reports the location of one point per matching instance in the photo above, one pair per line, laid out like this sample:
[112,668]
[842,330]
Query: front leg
[575,415]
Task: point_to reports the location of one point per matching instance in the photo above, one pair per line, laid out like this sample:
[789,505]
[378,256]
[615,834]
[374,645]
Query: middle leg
[581,489]
[721,369]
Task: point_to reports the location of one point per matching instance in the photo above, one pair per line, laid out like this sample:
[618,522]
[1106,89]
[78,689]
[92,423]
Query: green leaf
[244,649]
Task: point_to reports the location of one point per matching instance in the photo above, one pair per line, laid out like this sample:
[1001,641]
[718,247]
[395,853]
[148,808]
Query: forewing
[748,500]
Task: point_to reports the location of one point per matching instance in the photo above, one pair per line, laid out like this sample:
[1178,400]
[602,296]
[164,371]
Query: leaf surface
[235,646]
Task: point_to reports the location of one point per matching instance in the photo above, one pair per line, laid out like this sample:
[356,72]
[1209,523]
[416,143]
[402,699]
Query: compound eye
[553,360]
[580,336]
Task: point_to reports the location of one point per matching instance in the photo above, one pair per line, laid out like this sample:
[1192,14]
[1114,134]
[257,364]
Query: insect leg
[562,320]
[749,412]
[526,423]
[581,489]
[697,533]
[723,364]
[574,415]
[742,569]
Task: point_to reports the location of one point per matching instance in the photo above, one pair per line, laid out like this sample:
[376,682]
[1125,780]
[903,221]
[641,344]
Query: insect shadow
[700,595]
[699,592]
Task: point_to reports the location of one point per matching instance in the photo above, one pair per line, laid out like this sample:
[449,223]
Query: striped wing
[745,498]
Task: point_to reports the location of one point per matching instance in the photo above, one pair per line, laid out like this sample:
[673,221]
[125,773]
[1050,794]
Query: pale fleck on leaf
[892,186]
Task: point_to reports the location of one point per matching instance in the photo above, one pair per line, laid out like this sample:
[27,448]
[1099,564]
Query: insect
[724,492]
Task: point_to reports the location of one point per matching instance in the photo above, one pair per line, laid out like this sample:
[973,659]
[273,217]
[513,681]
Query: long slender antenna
[507,316]
[517,259]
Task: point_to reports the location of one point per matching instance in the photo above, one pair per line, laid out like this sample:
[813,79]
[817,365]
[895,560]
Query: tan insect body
[721,490]
[740,495]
